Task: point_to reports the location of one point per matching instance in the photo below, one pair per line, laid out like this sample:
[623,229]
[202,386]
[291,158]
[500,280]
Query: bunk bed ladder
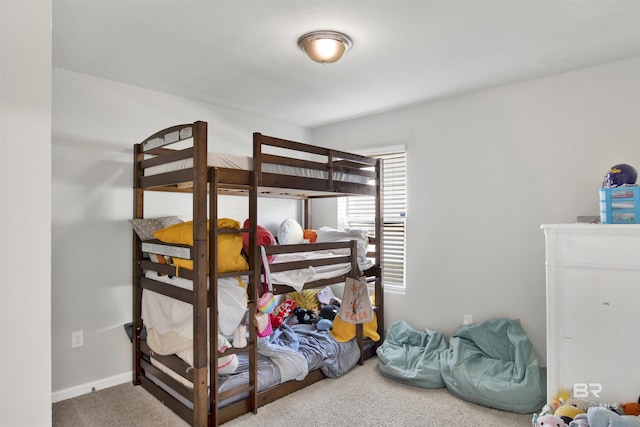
[254,280]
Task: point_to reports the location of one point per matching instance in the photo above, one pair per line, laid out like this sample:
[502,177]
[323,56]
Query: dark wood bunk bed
[189,143]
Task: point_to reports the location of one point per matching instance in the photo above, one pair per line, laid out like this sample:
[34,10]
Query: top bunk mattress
[229,161]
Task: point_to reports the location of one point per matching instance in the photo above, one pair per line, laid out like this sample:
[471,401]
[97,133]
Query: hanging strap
[265,269]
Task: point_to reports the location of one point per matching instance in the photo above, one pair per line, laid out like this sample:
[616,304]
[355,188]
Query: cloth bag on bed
[356,304]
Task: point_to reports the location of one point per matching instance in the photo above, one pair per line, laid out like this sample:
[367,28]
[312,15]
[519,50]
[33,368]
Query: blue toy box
[620,205]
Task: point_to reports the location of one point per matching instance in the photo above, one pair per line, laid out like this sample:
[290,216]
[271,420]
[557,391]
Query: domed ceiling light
[325,47]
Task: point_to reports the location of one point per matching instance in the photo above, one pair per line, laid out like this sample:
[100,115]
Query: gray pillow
[145,227]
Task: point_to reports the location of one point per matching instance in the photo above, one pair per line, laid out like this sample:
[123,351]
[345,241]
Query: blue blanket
[320,349]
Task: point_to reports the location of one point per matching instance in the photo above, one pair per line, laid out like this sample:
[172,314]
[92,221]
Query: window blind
[359,212]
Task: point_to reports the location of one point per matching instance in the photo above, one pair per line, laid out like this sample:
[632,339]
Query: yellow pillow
[229,244]
[343,331]
[307,298]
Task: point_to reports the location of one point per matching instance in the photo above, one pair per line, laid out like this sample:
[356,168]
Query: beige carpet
[362,397]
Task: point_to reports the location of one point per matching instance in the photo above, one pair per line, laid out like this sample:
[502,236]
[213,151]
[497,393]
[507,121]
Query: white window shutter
[359,212]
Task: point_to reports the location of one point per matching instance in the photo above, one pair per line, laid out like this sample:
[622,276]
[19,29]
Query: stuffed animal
[631,408]
[266,303]
[560,398]
[305,316]
[580,420]
[327,314]
[329,311]
[567,412]
[324,324]
[604,417]
[226,364]
[281,312]
[549,421]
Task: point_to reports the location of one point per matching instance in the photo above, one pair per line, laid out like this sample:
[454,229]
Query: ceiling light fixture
[325,47]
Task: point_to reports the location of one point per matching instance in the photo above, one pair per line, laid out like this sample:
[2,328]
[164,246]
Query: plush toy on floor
[580,420]
[560,398]
[631,408]
[604,417]
[548,421]
[568,412]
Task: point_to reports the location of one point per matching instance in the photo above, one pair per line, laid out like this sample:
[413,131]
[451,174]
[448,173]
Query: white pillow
[328,234]
[290,232]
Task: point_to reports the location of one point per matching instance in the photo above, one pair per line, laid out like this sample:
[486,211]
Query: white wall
[95,124]
[25,213]
[485,170]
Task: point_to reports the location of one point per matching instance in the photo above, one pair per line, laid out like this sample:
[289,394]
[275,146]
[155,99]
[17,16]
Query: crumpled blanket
[292,365]
[319,348]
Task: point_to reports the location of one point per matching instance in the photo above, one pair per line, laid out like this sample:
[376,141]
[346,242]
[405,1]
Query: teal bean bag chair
[494,364]
[412,357]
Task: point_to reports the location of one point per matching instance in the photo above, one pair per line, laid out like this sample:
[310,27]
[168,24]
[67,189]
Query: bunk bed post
[252,294]
[257,158]
[330,170]
[306,206]
[138,212]
[379,228]
[200,359]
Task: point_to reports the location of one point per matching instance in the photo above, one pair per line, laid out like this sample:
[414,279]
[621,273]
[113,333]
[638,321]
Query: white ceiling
[243,54]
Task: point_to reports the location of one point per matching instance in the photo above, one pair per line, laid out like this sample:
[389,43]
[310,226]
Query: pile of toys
[566,411]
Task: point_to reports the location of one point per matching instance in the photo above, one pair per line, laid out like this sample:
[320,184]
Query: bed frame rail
[326,160]
[350,257]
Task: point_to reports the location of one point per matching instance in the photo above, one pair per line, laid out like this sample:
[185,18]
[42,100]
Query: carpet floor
[362,397]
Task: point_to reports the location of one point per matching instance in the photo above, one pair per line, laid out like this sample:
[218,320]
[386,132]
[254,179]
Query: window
[359,212]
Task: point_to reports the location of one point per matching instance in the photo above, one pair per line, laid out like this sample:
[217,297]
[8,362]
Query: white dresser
[593,311]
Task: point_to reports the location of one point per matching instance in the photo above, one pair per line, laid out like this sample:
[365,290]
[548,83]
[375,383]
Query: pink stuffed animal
[549,421]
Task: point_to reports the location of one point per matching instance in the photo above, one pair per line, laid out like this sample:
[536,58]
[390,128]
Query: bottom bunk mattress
[289,354]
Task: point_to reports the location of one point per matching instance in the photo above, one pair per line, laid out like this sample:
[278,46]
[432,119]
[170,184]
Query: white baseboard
[81,389]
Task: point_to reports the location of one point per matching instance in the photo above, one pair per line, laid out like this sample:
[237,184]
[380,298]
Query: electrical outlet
[468,319]
[77,339]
